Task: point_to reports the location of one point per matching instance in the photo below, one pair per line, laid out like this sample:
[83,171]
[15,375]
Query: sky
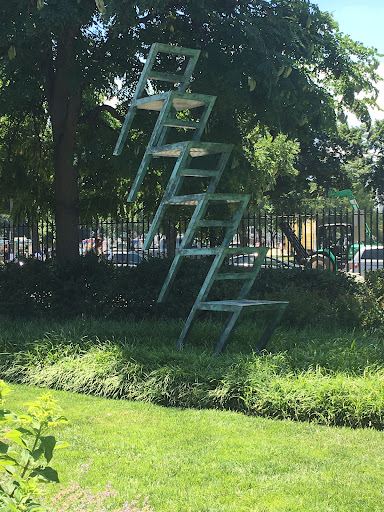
[363,22]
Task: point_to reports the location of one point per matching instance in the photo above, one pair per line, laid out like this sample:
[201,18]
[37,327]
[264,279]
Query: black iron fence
[349,241]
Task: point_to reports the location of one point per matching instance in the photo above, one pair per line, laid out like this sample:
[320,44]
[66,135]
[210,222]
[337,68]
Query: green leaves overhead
[251,83]
[11,52]
[280,66]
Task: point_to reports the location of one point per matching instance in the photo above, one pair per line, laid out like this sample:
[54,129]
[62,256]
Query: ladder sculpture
[169,104]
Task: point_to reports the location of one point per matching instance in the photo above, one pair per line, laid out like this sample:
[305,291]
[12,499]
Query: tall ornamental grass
[328,378]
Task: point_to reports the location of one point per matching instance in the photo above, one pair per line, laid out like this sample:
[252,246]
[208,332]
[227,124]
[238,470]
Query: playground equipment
[171,105]
[337,242]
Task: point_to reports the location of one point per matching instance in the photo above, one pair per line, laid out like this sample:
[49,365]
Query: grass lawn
[209,461]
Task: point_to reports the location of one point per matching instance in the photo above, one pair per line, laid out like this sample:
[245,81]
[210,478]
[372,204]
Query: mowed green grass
[215,461]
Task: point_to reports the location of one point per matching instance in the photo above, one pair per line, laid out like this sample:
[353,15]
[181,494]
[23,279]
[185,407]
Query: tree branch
[101,108]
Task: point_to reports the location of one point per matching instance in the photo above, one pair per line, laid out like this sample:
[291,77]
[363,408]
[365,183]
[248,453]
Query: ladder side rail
[199,211]
[137,94]
[148,155]
[246,288]
[174,184]
[220,169]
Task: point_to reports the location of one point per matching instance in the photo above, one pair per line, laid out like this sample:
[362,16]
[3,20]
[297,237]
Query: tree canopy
[277,67]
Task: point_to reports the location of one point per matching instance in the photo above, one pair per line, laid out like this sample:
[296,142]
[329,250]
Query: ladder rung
[195,150]
[198,173]
[180,101]
[234,275]
[214,198]
[235,305]
[176,50]
[185,200]
[181,123]
[209,251]
[215,223]
[203,251]
[166,77]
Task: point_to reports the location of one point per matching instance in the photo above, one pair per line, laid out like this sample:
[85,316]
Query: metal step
[235,305]
[165,77]
[196,149]
[198,173]
[193,199]
[181,123]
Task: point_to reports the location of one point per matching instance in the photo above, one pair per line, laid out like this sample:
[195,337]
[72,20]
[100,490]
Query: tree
[275,63]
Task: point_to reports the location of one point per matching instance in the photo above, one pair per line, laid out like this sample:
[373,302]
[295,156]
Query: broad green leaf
[25,431]
[3,447]
[40,4]
[48,443]
[251,83]
[5,460]
[7,468]
[61,444]
[47,474]
[11,52]
[16,436]
[287,72]
[7,415]
[25,457]
[36,454]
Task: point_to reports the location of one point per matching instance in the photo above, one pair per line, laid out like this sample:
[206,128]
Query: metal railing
[349,241]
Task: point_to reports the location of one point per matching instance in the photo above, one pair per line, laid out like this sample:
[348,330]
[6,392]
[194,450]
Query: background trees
[277,67]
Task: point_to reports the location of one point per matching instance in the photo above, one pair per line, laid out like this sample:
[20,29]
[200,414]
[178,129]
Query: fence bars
[353,239]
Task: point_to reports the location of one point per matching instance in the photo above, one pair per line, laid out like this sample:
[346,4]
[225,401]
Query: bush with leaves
[95,288]
[26,447]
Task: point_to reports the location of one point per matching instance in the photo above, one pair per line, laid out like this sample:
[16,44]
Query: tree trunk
[65,100]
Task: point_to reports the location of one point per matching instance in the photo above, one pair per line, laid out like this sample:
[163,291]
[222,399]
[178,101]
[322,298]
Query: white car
[367,258]
[127,259]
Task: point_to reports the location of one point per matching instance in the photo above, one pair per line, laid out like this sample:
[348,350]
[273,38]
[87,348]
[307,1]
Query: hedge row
[95,288]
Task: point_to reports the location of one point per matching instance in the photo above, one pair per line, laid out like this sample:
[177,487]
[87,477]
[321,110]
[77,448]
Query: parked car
[367,258]
[248,260]
[129,259]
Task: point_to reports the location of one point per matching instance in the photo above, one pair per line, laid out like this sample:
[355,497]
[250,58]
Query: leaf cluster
[25,450]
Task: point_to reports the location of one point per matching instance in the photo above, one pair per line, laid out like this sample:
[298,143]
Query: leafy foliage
[98,289]
[278,65]
[24,446]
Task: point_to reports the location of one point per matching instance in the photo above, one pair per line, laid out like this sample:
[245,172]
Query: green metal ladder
[168,104]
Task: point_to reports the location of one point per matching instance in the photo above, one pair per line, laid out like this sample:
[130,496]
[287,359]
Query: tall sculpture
[169,103]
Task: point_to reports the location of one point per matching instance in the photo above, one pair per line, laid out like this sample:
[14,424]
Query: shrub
[93,287]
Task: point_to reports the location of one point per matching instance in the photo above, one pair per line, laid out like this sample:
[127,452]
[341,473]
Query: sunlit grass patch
[209,460]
